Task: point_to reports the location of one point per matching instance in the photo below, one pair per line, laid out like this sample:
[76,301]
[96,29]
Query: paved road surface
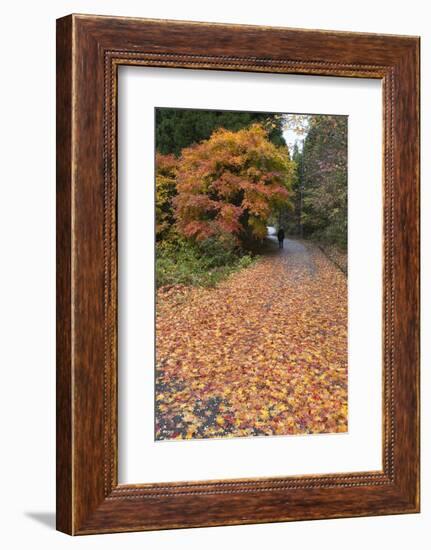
[264,353]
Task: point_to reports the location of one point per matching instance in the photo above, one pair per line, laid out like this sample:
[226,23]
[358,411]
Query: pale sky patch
[295,130]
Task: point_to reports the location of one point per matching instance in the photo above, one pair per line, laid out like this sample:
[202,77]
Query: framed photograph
[237,274]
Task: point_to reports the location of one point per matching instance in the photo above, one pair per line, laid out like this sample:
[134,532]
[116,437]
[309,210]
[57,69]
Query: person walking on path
[280,236]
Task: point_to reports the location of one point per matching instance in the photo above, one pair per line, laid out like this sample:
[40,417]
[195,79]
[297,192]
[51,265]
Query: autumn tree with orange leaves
[229,184]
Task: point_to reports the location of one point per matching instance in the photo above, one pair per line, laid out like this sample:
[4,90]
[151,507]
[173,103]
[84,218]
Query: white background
[141,458]
[27,232]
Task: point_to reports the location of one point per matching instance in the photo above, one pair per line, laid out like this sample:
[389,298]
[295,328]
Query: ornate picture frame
[89,51]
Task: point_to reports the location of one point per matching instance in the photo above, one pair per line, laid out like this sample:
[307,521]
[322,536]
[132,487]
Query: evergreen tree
[324,180]
[180,128]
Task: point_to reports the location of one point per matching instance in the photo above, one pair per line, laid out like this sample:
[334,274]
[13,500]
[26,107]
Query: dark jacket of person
[280,235]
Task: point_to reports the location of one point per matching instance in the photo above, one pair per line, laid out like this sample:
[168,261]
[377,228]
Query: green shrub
[204,264]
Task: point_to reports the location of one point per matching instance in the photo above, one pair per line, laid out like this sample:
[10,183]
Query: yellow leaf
[220,420]
[190,432]
[265,414]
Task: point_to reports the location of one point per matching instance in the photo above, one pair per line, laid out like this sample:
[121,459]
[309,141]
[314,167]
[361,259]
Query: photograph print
[251,274]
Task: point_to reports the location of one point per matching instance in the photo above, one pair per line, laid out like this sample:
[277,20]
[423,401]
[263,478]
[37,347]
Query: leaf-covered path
[263,353]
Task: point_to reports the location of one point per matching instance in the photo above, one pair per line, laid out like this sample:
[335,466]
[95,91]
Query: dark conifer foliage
[180,128]
[324,180]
